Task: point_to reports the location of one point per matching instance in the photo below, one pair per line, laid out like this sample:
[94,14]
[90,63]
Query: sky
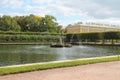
[66,11]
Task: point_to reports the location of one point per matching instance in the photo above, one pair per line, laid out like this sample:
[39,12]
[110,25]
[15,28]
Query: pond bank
[99,71]
[32,43]
[55,64]
[48,43]
[95,44]
[99,44]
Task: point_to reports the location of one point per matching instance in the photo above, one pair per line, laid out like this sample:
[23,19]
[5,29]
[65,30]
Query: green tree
[49,24]
[7,23]
[29,23]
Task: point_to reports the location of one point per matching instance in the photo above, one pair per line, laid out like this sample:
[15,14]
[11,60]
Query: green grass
[35,67]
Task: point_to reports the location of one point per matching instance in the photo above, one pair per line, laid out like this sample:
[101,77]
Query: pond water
[22,54]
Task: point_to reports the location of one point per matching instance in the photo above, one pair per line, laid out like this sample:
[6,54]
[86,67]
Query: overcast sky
[66,11]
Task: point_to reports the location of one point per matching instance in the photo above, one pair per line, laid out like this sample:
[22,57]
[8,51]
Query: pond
[22,54]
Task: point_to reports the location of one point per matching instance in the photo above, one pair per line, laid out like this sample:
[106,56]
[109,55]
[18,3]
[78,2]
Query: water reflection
[21,54]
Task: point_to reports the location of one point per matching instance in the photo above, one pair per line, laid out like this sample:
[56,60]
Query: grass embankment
[51,65]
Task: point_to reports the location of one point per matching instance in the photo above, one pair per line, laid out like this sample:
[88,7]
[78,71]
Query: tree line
[30,23]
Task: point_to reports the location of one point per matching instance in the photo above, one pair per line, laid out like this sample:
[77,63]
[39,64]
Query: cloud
[42,1]
[63,10]
[39,10]
[55,9]
[12,14]
[11,3]
[1,14]
[99,10]
[94,8]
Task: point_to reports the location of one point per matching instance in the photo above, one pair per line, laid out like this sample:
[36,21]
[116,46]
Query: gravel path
[99,71]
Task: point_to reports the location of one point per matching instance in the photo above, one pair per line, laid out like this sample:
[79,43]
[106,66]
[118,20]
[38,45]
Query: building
[89,29]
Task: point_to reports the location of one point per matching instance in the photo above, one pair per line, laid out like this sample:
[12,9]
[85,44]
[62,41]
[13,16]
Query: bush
[34,38]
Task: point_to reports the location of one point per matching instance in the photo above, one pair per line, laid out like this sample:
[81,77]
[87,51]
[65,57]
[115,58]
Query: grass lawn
[51,65]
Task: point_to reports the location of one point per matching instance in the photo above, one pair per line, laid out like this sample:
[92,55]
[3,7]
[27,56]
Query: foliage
[19,38]
[7,23]
[30,23]
[27,33]
[34,23]
[48,24]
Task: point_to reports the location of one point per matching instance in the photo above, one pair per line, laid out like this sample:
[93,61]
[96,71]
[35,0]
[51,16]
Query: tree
[7,23]
[29,23]
[49,24]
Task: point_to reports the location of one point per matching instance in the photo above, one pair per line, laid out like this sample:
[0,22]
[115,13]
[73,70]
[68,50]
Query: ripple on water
[38,47]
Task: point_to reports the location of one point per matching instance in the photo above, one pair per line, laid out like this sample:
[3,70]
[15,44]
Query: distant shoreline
[28,43]
[97,44]
[48,43]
